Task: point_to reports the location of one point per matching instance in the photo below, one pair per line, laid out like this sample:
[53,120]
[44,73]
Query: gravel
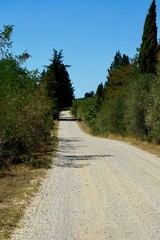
[97,189]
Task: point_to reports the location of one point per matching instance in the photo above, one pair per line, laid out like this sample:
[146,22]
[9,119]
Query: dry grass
[84,127]
[19,184]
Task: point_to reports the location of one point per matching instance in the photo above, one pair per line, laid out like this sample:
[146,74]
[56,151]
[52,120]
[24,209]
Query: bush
[23,112]
[86,110]
[110,118]
[136,106]
[153,113]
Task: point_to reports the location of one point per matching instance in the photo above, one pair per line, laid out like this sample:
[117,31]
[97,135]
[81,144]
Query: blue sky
[89,32]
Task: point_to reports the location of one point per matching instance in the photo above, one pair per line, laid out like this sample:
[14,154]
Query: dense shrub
[86,110]
[132,111]
[131,99]
[24,107]
[110,119]
[153,112]
[136,106]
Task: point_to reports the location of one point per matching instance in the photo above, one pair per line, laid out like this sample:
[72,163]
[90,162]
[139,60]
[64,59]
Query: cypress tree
[100,91]
[118,62]
[58,84]
[148,49]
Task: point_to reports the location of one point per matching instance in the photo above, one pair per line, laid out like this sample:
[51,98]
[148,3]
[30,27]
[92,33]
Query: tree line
[29,101]
[128,103]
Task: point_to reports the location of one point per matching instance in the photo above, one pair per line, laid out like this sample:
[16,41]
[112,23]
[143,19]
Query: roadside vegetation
[30,103]
[128,104]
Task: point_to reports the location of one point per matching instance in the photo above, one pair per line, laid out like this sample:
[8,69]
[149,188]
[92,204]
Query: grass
[84,127]
[19,184]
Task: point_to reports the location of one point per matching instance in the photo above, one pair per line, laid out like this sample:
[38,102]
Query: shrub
[23,112]
[110,118]
[153,113]
[86,109]
[136,106]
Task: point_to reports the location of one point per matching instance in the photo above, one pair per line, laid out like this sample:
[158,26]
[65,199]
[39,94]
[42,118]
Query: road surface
[98,189]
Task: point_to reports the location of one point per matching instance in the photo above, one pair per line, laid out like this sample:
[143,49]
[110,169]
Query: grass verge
[84,127]
[19,184]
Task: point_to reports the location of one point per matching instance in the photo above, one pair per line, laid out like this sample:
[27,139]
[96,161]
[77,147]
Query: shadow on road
[68,118]
[69,145]
[76,161]
[70,164]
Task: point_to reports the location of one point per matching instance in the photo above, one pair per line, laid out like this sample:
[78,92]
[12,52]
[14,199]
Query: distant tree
[118,62]
[100,90]
[58,84]
[89,94]
[43,73]
[148,49]
[125,61]
[118,76]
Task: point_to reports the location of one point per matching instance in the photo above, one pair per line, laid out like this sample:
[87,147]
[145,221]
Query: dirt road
[98,189]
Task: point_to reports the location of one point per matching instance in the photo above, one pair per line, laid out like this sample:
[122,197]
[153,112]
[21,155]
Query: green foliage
[110,118]
[129,102]
[148,49]
[132,110]
[136,106]
[153,114]
[58,84]
[119,76]
[86,110]
[24,120]
[118,62]
[119,82]
[5,42]
[100,91]
[104,113]
[89,94]
[103,118]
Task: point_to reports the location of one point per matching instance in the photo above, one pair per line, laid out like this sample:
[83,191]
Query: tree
[89,94]
[99,92]
[125,61]
[148,49]
[58,84]
[136,105]
[24,120]
[119,75]
[5,40]
[119,61]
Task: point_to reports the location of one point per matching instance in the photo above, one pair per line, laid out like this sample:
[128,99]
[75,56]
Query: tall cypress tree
[148,49]
[58,84]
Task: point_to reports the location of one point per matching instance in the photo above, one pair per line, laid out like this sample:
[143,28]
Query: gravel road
[98,189]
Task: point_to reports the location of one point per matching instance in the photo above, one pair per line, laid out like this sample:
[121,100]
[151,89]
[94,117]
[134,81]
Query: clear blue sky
[89,32]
